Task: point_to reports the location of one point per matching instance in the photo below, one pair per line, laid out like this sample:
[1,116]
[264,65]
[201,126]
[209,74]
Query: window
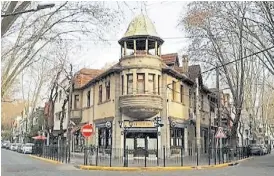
[60,95]
[129,83]
[88,98]
[173,90]
[104,137]
[159,84]
[76,101]
[100,94]
[202,102]
[107,90]
[140,83]
[177,137]
[122,79]
[151,83]
[182,94]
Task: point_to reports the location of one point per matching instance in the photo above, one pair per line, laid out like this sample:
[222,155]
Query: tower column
[125,48]
[146,46]
[134,47]
[156,48]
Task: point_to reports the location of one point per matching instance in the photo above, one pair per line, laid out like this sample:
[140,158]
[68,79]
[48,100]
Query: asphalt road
[13,164]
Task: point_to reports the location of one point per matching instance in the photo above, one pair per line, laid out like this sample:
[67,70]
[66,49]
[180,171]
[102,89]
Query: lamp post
[158,123]
[125,128]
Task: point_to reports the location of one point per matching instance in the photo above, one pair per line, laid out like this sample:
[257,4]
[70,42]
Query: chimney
[185,63]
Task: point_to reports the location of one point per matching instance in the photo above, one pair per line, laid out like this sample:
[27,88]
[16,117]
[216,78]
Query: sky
[165,17]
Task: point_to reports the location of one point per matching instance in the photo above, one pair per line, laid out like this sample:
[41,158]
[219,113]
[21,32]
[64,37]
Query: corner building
[123,101]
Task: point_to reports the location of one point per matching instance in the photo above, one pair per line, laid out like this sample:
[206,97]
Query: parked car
[19,148]
[5,144]
[27,148]
[256,149]
[13,147]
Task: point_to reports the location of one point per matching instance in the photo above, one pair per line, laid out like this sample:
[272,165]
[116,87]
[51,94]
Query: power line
[238,59]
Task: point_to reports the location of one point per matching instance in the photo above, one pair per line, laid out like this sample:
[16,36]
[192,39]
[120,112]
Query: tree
[219,36]
[30,37]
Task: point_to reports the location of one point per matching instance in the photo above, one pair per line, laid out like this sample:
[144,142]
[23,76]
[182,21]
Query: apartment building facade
[123,102]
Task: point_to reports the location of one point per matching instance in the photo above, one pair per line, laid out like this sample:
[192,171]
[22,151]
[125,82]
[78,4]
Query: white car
[27,148]
[13,146]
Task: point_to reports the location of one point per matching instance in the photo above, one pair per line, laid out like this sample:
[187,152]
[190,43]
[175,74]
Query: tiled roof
[85,75]
[169,58]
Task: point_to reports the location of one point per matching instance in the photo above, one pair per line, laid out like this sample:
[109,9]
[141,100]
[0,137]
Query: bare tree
[38,33]
[219,36]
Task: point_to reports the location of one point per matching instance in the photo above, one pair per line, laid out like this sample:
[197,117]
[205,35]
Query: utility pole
[69,113]
[198,119]
[218,103]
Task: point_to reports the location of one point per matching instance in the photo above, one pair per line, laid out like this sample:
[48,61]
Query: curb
[45,159]
[128,169]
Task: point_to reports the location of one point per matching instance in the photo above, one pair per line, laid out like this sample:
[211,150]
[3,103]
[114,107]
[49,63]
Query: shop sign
[139,124]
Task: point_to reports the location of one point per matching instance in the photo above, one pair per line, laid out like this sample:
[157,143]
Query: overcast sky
[165,17]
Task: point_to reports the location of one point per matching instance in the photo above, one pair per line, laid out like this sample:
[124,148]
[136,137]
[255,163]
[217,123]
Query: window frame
[130,81]
[182,93]
[159,78]
[88,98]
[75,102]
[141,81]
[173,90]
[100,95]
[122,80]
[107,85]
[152,81]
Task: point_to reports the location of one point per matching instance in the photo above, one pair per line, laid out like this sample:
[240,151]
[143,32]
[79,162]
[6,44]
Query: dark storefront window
[105,137]
[177,137]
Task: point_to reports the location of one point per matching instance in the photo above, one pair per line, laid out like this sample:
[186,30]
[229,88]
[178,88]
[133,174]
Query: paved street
[14,164]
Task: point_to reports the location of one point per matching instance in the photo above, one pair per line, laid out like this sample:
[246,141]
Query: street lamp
[39,7]
[125,128]
[158,123]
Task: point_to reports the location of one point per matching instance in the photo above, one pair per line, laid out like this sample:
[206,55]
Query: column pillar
[134,46]
[125,48]
[134,75]
[156,48]
[146,46]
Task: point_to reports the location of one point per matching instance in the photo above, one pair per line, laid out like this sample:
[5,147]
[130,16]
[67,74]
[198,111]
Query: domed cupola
[141,38]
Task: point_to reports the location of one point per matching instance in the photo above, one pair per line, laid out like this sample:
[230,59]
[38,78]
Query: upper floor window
[173,90]
[159,84]
[122,80]
[88,98]
[182,94]
[100,94]
[140,83]
[151,83]
[76,101]
[129,83]
[107,90]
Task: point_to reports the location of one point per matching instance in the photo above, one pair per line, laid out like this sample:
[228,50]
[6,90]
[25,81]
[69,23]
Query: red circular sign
[87,130]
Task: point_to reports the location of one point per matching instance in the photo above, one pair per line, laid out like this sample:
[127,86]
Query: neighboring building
[144,84]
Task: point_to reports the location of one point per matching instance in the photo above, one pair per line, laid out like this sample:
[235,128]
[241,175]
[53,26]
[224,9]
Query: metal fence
[164,157]
[140,157]
[53,152]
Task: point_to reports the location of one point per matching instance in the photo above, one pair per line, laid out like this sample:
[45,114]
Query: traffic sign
[87,130]
[220,133]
